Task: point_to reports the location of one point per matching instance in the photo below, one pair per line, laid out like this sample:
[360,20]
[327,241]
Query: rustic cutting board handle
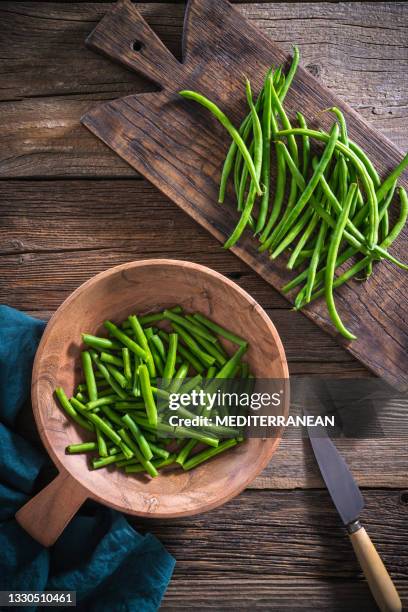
[379,580]
[47,514]
[124,36]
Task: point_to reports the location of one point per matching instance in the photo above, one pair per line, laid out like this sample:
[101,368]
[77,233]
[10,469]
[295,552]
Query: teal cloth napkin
[99,555]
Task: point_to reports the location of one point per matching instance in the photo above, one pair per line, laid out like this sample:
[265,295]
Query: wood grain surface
[180,149]
[356,49]
[268,549]
[55,234]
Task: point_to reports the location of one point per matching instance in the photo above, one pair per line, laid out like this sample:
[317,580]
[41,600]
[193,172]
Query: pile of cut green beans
[118,400]
[329,213]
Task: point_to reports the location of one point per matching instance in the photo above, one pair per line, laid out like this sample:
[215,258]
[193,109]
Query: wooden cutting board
[180,148]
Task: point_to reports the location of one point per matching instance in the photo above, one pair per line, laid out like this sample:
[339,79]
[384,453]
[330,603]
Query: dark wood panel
[273,593]
[268,547]
[50,79]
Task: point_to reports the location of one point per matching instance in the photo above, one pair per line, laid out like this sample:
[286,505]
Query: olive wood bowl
[141,287]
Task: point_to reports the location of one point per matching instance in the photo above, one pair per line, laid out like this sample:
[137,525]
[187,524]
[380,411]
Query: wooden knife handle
[379,580]
[124,36]
[47,514]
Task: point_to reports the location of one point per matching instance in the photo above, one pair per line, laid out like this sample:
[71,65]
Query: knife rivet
[403,497]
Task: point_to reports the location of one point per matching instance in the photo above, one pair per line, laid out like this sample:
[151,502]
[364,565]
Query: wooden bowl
[141,287]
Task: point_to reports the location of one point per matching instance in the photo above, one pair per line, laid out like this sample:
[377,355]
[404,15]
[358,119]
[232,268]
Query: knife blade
[340,483]
[349,503]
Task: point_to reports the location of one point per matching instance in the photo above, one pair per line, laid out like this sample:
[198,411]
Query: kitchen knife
[349,502]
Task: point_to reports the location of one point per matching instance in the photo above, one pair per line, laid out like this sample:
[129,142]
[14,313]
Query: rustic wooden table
[70,208]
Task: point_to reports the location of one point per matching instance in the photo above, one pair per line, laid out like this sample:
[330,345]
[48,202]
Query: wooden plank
[180,149]
[55,235]
[266,548]
[273,593]
[50,79]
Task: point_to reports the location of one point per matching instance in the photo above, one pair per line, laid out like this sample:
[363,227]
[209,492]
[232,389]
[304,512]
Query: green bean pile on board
[118,400]
[328,213]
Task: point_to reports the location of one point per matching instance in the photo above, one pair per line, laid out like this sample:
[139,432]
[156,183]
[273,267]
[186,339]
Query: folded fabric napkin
[99,555]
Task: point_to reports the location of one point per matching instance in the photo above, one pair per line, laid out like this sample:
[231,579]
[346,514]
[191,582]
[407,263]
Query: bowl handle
[47,514]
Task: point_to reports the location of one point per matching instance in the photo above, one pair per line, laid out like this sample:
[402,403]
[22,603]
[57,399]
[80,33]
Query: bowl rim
[35,393]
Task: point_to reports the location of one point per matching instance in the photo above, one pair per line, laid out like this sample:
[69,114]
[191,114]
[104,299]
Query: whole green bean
[360,265]
[342,123]
[365,177]
[314,263]
[331,263]
[253,189]
[285,224]
[242,187]
[291,73]
[305,145]
[292,234]
[233,154]
[343,179]
[223,119]
[303,240]
[391,178]
[278,197]
[372,172]
[355,242]
[266,154]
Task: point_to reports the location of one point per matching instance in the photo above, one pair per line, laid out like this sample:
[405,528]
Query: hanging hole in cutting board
[137,46]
